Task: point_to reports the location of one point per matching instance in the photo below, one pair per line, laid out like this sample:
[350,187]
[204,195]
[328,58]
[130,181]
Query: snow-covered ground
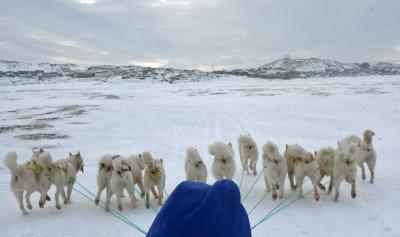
[130,116]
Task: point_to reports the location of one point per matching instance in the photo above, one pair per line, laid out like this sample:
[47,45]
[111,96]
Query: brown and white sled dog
[275,169]
[62,173]
[121,179]
[224,163]
[326,160]
[154,176]
[26,179]
[195,168]
[248,151]
[301,163]
[345,168]
[136,163]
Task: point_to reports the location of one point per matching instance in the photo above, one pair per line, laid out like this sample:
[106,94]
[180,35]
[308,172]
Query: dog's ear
[359,144]
[230,144]
[312,156]
[315,153]
[161,160]
[78,154]
[140,155]
[70,154]
[249,134]
[40,150]
[338,143]
[287,146]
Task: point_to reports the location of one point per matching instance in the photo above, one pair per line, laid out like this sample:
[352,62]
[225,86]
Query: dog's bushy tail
[11,161]
[192,153]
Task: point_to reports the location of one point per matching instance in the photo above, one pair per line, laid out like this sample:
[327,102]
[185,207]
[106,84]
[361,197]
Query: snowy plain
[131,116]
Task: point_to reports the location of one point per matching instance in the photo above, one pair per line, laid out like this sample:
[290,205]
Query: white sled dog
[154,176]
[276,169]
[345,168]
[195,168]
[224,162]
[62,173]
[104,172]
[301,163]
[248,151]
[365,152]
[121,179]
[326,159]
[42,157]
[27,178]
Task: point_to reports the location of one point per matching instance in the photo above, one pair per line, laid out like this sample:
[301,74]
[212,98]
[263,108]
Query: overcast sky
[194,33]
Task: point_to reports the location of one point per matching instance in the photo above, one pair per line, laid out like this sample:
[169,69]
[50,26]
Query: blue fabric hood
[201,210]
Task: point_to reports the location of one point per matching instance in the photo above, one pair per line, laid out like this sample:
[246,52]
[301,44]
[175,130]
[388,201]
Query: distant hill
[285,68]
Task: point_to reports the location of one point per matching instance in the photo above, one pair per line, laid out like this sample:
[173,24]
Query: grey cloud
[194,33]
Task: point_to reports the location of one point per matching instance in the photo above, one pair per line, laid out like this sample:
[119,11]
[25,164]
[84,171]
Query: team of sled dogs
[116,173]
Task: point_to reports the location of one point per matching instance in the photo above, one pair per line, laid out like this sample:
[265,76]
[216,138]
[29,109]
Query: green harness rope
[112,211]
[252,186]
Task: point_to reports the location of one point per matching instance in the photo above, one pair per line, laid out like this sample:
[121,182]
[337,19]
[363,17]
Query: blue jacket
[201,210]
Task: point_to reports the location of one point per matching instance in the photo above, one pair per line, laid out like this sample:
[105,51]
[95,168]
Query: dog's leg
[119,202]
[336,185]
[69,191]
[108,198]
[153,191]
[267,185]
[57,197]
[63,195]
[42,199]
[274,194]
[299,182]
[147,200]
[131,193]
[330,186]
[28,199]
[19,195]
[314,183]
[353,189]
[321,176]
[371,167]
[291,180]
[363,176]
[281,187]
[99,191]
[254,168]
[160,194]
[140,184]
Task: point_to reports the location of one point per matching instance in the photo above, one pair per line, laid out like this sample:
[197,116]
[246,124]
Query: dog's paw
[274,196]
[142,195]
[66,202]
[363,177]
[25,212]
[316,196]
[255,173]
[48,198]
[120,208]
[147,205]
[96,202]
[58,206]
[29,206]
[41,204]
[353,195]
[371,181]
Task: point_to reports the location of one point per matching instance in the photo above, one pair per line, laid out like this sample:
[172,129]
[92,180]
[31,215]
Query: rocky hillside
[315,67]
[282,69]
